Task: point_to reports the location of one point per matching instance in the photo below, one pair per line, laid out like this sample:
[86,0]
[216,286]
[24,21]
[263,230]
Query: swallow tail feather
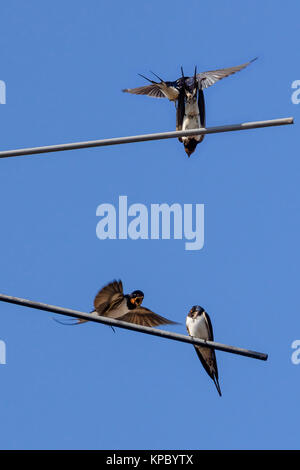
[216,382]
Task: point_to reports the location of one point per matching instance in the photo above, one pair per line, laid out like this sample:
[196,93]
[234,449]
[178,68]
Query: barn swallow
[187,94]
[190,113]
[112,302]
[199,326]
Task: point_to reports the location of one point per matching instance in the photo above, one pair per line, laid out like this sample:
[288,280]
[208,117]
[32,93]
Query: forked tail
[216,382]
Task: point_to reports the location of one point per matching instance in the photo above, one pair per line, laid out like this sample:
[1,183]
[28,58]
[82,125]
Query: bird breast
[191,109]
[197,327]
[191,120]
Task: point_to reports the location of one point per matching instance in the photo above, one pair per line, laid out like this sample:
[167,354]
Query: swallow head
[190,145]
[191,95]
[136,298]
[196,311]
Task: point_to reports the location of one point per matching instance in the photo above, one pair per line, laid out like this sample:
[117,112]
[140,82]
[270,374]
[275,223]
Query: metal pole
[144,138]
[131,326]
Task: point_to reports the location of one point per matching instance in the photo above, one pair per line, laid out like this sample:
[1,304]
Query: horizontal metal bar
[146,137]
[131,326]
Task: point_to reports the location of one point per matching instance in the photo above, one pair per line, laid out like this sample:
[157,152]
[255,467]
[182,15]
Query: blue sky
[86,387]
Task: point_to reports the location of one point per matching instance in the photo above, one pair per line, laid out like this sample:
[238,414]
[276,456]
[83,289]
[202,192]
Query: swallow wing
[206,79]
[208,360]
[145,317]
[150,90]
[109,297]
[201,106]
[180,111]
[207,355]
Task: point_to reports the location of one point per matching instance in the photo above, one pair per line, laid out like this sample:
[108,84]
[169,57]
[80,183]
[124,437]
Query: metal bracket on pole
[131,326]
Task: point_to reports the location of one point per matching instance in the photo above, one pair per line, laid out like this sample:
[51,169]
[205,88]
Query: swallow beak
[136,301]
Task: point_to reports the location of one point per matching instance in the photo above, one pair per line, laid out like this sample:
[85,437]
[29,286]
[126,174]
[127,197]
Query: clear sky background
[64,64]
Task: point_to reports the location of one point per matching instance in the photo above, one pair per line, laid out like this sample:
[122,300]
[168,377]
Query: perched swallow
[199,326]
[187,94]
[111,302]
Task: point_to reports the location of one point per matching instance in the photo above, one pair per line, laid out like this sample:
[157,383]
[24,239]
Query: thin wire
[131,326]
[144,138]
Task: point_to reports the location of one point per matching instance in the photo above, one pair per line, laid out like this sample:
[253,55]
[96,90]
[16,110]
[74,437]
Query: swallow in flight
[112,302]
[187,94]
